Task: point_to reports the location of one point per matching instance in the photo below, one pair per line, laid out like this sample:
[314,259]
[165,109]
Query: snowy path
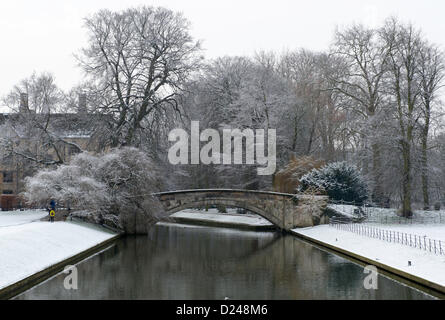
[11,218]
[27,248]
[425,265]
[229,218]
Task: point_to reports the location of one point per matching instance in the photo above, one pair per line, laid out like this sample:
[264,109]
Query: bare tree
[35,131]
[113,189]
[365,56]
[138,59]
[404,45]
[43,94]
[432,74]
[312,118]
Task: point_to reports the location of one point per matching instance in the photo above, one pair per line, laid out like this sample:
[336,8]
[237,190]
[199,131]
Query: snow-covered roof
[66,125]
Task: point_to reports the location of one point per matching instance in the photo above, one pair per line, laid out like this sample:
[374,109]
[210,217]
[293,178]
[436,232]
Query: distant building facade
[74,132]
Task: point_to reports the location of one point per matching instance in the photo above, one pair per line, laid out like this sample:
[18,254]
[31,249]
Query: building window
[72,150]
[8,192]
[8,177]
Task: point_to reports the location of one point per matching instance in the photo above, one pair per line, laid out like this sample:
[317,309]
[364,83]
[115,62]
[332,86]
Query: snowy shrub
[67,185]
[339,180]
[114,188]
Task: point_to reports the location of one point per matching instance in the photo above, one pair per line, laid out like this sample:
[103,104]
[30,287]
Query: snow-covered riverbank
[28,246]
[424,265]
[230,219]
[13,218]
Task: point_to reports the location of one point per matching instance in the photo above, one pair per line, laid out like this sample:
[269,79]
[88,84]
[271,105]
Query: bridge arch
[286,211]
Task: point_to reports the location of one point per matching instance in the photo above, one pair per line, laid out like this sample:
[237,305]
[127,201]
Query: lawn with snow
[425,265]
[28,248]
[345,210]
[389,215]
[11,218]
[432,231]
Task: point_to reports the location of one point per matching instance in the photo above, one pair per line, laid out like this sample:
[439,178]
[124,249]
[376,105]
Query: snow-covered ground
[424,264]
[10,218]
[231,217]
[345,210]
[214,211]
[432,231]
[389,216]
[27,247]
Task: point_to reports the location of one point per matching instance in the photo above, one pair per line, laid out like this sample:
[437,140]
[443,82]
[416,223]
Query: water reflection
[177,262]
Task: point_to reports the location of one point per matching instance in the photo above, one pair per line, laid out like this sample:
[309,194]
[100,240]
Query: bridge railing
[412,240]
[226,191]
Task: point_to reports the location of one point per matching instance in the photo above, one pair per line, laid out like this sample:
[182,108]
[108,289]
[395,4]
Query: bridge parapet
[286,211]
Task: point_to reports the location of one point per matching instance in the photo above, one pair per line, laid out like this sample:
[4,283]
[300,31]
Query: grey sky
[43,35]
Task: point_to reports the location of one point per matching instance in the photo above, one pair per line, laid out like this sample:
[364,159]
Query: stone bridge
[286,211]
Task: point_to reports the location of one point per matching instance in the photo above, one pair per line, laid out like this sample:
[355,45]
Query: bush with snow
[339,180]
[114,188]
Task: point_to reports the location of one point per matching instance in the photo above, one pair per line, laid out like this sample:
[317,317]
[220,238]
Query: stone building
[35,140]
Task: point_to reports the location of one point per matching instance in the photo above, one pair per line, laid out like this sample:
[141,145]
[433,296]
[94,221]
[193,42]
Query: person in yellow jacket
[52,214]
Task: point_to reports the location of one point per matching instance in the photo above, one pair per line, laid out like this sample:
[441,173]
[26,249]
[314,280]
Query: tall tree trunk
[295,135]
[406,183]
[377,193]
[424,161]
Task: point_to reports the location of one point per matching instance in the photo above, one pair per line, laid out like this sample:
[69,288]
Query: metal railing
[438,218]
[371,214]
[415,241]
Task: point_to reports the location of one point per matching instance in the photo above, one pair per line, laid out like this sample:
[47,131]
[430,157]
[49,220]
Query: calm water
[182,262]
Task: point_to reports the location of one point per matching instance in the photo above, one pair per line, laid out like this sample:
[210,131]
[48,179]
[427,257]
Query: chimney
[24,107]
[83,103]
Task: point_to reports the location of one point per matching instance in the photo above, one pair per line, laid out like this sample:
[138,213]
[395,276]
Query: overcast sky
[42,35]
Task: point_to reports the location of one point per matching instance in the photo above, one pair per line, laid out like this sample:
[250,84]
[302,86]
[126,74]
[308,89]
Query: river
[189,262]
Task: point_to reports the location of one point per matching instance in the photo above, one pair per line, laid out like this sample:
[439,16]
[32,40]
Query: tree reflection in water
[184,262]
